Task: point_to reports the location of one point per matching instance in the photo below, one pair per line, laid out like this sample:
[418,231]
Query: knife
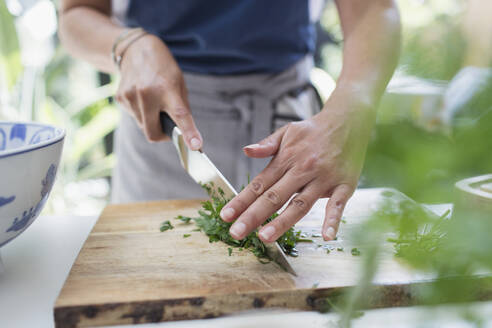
[203,171]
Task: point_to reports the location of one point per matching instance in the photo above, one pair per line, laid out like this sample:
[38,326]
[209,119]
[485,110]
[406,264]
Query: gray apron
[230,112]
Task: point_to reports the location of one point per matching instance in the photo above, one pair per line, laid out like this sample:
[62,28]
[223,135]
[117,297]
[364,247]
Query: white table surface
[37,263]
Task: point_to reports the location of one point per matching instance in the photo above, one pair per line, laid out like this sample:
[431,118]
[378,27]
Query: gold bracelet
[122,37]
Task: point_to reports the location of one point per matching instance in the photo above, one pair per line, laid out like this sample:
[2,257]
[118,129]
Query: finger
[268,146]
[334,210]
[129,101]
[180,113]
[267,204]
[151,120]
[271,174]
[298,207]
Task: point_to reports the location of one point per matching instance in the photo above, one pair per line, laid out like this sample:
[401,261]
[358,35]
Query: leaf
[216,229]
[166,225]
[355,252]
[184,219]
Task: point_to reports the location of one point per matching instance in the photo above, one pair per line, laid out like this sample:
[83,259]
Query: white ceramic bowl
[29,158]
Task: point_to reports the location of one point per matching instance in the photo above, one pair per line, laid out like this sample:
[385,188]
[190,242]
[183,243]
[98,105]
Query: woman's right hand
[151,82]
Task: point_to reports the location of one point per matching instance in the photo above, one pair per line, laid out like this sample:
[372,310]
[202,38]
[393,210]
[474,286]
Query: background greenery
[402,153]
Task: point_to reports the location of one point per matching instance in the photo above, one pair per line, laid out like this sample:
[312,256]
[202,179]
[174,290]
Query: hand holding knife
[203,171]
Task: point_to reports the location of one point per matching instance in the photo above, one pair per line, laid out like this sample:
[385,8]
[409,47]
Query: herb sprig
[216,229]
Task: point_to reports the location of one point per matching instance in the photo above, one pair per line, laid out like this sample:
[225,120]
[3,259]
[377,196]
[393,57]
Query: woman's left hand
[318,157]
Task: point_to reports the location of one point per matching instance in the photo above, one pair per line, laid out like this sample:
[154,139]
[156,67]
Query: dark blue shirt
[229,36]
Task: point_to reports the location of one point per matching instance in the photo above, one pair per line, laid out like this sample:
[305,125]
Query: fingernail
[330,233]
[237,229]
[253,146]
[227,213]
[195,143]
[267,233]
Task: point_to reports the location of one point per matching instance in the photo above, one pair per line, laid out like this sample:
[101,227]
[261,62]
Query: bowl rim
[28,148]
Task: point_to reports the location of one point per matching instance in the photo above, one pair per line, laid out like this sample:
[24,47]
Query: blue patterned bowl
[29,158]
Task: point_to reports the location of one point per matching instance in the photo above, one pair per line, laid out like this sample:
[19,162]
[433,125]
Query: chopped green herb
[197,229]
[340,249]
[166,225]
[344,221]
[229,249]
[304,240]
[328,251]
[216,229]
[186,235]
[184,219]
[355,252]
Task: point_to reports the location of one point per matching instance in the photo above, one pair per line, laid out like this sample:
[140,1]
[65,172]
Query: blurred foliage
[425,164]
[10,62]
[70,98]
[433,44]
[455,250]
[434,51]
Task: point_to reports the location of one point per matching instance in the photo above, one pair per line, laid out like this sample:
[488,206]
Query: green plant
[10,60]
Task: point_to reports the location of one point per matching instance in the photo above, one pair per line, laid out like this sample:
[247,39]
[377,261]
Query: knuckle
[282,224]
[129,95]
[181,113]
[300,204]
[170,83]
[310,163]
[272,197]
[256,187]
[239,204]
[145,91]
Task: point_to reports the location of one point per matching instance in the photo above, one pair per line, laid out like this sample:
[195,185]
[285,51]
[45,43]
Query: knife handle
[167,124]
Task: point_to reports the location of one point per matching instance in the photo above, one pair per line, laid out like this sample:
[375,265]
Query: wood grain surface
[129,272]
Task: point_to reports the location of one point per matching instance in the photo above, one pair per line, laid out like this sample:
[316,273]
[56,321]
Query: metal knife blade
[203,171]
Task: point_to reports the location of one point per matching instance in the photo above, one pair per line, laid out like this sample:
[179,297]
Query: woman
[234,63]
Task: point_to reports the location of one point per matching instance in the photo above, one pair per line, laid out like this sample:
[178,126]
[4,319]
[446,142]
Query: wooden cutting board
[130,272]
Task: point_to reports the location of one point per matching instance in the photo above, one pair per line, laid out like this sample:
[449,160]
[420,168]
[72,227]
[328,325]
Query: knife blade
[203,171]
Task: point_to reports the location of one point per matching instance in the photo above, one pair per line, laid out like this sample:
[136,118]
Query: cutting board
[130,272]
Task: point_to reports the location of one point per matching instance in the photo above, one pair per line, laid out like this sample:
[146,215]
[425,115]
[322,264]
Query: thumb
[267,147]
[181,115]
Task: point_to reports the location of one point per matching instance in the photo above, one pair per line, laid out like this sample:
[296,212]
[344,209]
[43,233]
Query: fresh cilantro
[184,219]
[166,225]
[209,222]
[355,252]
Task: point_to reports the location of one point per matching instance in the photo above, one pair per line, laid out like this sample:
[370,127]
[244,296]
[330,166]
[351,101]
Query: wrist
[348,105]
[349,109]
[123,42]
